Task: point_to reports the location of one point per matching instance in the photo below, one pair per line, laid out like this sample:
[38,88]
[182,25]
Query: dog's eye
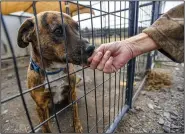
[58,32]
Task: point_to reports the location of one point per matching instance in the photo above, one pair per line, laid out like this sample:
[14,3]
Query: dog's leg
[43,110]
[77,123]
[40,97]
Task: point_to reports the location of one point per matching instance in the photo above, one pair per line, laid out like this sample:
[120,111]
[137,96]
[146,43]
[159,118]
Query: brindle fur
[53,50]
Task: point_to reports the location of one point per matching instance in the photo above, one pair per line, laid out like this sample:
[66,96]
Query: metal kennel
[111,101]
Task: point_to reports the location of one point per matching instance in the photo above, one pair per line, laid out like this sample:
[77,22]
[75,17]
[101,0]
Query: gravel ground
[158,111]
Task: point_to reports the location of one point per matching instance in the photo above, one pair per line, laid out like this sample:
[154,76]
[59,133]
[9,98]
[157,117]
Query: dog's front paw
[78,127]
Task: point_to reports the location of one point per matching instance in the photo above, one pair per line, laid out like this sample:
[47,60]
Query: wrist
[141,43]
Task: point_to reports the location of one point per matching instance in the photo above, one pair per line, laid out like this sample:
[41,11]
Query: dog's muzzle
[80,58]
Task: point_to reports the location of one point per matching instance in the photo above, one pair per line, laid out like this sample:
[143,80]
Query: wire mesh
[144,21]
[104,97]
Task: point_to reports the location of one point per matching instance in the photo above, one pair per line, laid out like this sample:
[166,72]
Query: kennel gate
[132,21]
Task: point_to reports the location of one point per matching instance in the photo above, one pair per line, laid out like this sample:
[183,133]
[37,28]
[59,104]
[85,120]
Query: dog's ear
[25,32]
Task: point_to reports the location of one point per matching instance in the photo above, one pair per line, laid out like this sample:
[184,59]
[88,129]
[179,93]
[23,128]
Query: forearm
[141,43]
[168,32]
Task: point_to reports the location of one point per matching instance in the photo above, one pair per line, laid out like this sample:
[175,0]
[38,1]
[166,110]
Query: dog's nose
[89,50]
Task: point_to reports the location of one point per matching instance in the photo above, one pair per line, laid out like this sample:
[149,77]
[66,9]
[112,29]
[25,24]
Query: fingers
[104,63]
[96,60]
[109,68]
[104,60]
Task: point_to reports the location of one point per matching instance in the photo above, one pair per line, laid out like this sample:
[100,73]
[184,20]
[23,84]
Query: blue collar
[37,69]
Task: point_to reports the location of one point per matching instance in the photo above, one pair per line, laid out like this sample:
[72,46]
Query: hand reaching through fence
[112,56]
[165,34]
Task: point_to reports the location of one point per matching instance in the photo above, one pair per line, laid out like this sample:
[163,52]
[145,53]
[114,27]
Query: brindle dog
[52,44]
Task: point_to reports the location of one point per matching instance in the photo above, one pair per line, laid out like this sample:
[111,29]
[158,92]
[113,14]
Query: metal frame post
[156,9]
[133,25]
[157,13]
[149,57]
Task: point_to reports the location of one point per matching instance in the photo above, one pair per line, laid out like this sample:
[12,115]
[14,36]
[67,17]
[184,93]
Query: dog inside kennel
[46,83]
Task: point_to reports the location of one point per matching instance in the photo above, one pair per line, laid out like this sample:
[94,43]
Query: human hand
[112,56]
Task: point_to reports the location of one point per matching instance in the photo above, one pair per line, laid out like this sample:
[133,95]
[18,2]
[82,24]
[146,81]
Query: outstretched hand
[111,56]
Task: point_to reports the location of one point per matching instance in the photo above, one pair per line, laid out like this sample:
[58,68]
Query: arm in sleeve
[168,33]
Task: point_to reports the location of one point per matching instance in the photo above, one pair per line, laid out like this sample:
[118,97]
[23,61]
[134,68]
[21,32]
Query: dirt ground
[167,104]
[158,111]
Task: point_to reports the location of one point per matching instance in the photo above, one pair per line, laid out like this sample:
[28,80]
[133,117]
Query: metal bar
[120,69]
[68,106]
[107,14]
[163,61]
[67,61]
[20,20]
[124,66]
[103,101]
[118,119]
[119,90]
[115,72]
[149,61]
[13,15]
[133,13]
[95,3]
[29,90]
[139,89]
[136,17]
[145,12]
[101,118]
[125,9]
[94,70]
[20,17]
[17,73]
[26,10]
[153,17]
[123,86]
[96,9]
[83,74]
[40,51]
[124,21]
[109,74]
[146,4]
[156,15]
[144,20]
[9,58]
